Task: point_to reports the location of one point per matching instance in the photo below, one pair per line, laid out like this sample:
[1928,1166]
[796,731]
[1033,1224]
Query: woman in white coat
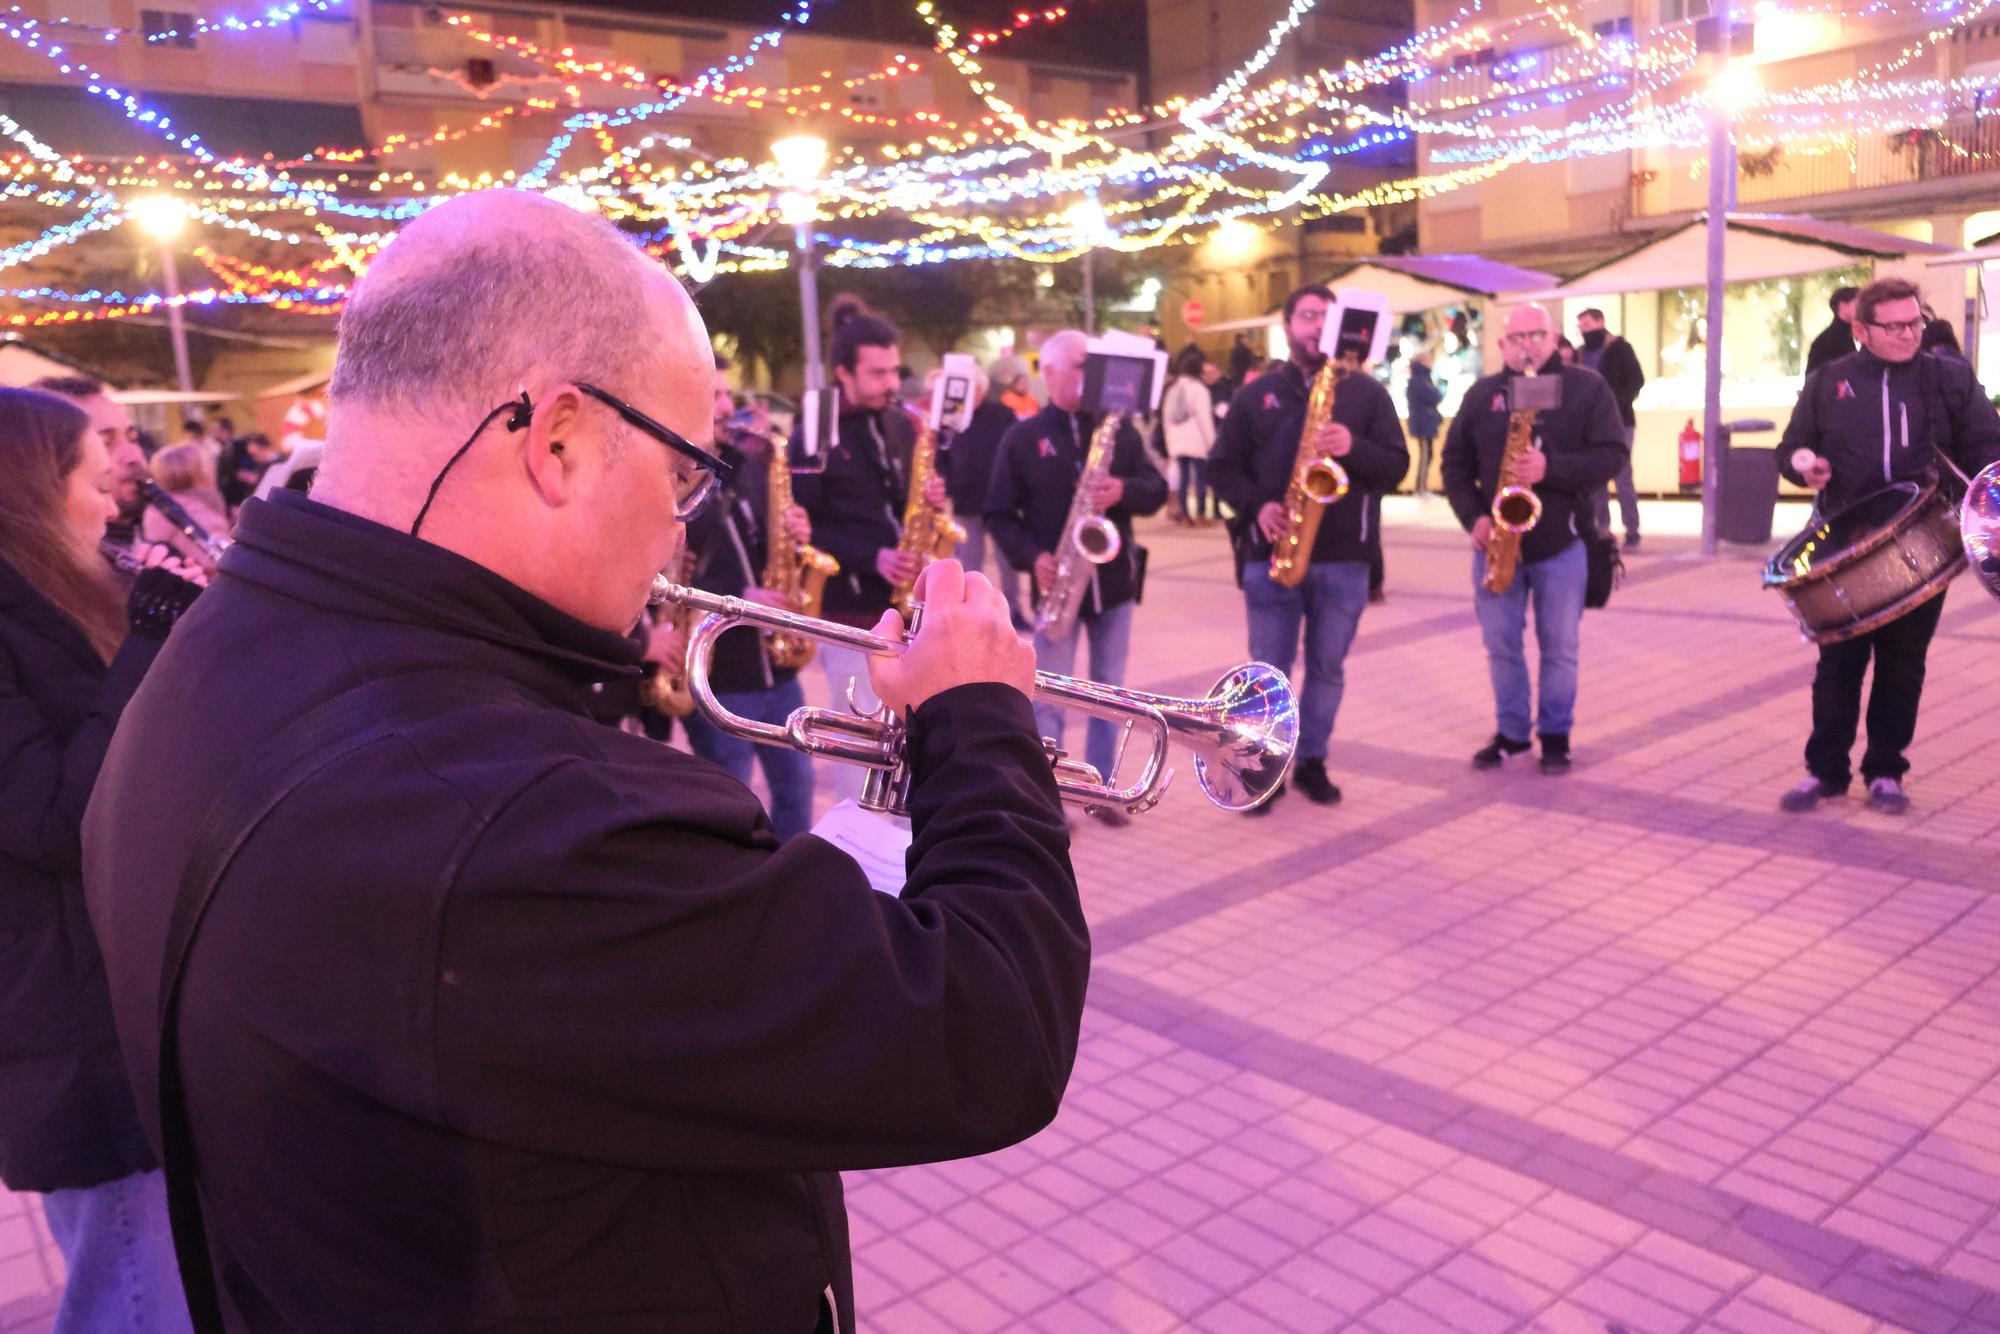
[1187,416]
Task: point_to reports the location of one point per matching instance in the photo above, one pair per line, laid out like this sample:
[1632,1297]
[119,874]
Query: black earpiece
[555,446]
[522,413]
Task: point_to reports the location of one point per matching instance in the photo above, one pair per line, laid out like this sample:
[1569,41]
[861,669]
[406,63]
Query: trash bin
[1747,485]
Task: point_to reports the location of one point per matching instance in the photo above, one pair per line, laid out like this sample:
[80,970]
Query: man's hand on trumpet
[964,637]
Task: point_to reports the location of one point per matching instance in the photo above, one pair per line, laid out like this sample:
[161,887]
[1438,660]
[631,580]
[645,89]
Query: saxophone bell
[1516,509]
[1096,539]
[1324,482]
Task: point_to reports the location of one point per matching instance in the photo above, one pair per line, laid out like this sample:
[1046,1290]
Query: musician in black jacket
[1251,468]
[498,1018]
[73,648]
[1027,511]
[729,542]
[1877,416]
[1578,447]
[856,500]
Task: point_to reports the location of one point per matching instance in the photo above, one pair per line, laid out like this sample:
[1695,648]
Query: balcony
[1862,168]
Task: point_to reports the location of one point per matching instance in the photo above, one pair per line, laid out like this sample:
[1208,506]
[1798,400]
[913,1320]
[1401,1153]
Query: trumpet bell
[1979,524]
[1243,758]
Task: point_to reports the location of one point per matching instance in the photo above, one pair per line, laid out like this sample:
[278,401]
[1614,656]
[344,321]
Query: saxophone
[929,531]
[1317,481]
[1089,539]
[799,572]
[666,690]
[1516,508]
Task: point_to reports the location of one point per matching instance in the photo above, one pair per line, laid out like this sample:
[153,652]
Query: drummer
[1863,421]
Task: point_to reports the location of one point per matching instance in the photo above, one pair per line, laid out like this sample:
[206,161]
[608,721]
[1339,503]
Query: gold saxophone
[1317,481]
[792,568]
[929,531]
[1516,508]
[1089,539]
[666,690]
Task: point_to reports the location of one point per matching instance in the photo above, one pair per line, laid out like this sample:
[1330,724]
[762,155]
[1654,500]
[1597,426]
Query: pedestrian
[1613,358]
[1187,413]
[1836,340]
[1424,395]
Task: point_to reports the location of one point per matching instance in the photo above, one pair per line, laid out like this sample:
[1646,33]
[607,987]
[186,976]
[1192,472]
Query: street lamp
[163,218]
[800,159]
[1086,218]
[1730,90]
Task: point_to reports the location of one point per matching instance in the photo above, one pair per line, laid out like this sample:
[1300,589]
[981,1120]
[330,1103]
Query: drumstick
[1803,460]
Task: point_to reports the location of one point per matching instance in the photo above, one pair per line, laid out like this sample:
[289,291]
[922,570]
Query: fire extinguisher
[1690,456]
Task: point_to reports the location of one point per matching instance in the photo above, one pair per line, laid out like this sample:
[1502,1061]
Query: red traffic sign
[1193,314]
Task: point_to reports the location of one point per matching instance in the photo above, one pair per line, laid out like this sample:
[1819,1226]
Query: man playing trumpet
[1252,468]
[491,1017]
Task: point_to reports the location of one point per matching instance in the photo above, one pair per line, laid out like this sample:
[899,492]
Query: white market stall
[1780,270]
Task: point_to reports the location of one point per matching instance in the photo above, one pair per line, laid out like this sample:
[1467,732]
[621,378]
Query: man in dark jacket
[1027,510]
[1878,416]
[967,463]
[857,497]
[1579,446]
[1251,468]
[1613,358]
[500,1018]
[1836,340]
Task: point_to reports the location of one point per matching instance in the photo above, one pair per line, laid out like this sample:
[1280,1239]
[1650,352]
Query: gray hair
[1062,340]
[485,293]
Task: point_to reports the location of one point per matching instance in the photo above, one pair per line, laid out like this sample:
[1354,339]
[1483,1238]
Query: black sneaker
[1264,807]
[1555,753]
[1807,795]
[1496,751]
[1312,780]
[1631,541]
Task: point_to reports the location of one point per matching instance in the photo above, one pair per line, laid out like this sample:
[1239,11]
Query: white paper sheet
[878,843]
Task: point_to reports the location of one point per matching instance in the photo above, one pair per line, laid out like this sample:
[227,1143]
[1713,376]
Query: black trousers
[1898,650]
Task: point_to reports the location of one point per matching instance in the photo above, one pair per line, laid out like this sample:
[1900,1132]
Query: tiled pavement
[1623,1051]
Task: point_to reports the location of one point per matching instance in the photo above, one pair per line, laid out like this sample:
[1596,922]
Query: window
[1683,11]
[167,27]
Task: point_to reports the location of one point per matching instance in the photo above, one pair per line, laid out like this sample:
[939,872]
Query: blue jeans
[1329,603]
[972,555]
[789,773]
[1197,501]
[1110,638]
[1557,586]
[119,1247]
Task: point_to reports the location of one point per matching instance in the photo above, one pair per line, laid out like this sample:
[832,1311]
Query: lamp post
[163,218]
[800,159]
[1729,89]
[1087,219]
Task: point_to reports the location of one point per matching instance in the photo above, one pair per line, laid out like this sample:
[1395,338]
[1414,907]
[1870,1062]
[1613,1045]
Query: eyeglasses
[1526,336]
[1915,326]
[692,491]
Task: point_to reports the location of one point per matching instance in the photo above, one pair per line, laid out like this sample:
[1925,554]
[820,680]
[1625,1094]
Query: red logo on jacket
[1844,390]
[1499,403]
[1270,402]
[1045,447]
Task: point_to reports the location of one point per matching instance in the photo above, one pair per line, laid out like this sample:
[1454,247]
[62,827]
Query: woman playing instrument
[73,649]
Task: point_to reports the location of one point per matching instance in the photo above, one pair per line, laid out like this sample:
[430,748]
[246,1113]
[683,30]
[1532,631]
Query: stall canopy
[1760,246]
[22,363]
[1418,282]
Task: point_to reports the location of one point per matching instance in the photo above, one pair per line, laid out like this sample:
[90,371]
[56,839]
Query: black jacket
[1258,448]
[1833,342]
[516,1021]
[1876,422]
[856,505]
[968,461]
[729,544]
[1424,396]
[1034,481]
[66,1115]
[1615,360]
[1584,440]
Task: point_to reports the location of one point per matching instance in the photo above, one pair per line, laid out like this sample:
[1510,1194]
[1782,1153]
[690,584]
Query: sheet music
[879,844]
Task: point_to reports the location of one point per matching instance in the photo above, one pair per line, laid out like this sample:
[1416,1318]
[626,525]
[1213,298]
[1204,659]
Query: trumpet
[1243,732]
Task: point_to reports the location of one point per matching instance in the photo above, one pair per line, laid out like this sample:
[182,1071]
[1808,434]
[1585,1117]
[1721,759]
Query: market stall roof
[137,397]
[1417,282]
[1982,254]
[298,384]
[1760,246]
[22,363]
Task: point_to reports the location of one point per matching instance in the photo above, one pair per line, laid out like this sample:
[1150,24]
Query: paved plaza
[1625,1052]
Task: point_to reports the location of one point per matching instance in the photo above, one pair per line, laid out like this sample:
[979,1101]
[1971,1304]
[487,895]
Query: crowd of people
[406,994]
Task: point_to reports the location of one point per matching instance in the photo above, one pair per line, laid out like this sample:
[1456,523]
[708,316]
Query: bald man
[463,1012]
[1576,448]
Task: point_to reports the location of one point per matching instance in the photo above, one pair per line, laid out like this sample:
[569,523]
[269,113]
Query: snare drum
[1859,569]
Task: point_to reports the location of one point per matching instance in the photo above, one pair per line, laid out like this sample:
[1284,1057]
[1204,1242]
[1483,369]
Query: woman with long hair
[73,649]
[1187,416]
